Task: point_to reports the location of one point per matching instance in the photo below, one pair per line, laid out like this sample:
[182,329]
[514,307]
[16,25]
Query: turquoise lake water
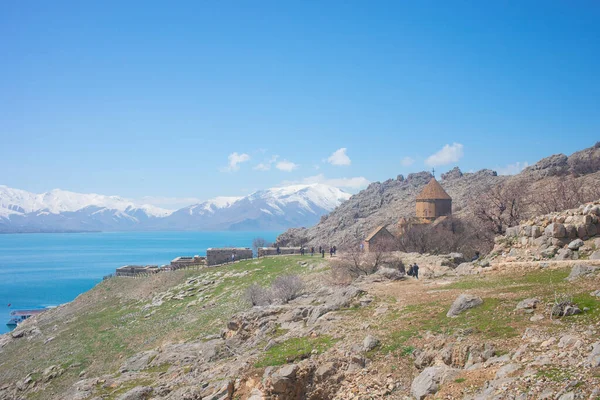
[40,270]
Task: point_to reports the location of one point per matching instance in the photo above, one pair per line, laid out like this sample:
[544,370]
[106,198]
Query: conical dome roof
[433,191]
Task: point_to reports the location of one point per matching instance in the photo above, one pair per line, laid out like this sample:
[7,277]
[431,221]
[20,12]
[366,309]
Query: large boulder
[581,270]
[463,303]
[595,255]
[576,244]
[429,381]
[564,254]
[555,230]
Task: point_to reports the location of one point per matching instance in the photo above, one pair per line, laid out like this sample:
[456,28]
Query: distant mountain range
[62,211]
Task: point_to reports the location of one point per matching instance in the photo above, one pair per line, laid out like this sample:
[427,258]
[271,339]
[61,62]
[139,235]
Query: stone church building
[433,205]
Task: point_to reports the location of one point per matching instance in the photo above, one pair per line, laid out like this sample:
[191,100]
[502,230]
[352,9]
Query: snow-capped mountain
[271,209]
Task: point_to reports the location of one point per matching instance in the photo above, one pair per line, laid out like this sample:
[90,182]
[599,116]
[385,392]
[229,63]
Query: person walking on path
[416,271]
[331,252]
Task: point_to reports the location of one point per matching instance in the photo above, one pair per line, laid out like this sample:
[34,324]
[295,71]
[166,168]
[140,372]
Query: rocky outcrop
[565,235]
[383,203]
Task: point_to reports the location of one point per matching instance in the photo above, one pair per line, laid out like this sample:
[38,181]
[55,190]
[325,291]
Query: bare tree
[354,262]
[502,206]
[287,287]
[259,242]
[562,193]
[446,236]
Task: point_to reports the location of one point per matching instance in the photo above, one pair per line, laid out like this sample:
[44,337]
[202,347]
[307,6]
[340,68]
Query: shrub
[287,287]
[284,288]
[257,295]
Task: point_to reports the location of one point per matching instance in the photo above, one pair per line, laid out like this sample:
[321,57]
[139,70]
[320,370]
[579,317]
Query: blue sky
[189,100]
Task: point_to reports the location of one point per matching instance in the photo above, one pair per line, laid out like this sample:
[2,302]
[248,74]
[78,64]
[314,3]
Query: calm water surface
[40,270]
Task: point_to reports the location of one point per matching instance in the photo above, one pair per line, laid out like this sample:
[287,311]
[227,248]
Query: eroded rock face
[463,303]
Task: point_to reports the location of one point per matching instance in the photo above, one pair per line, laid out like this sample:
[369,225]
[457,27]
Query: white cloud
[286,166]
[351,184]
[512,169]
[339,157]
[449,154]
[266,165]
[234,160]
[407,161]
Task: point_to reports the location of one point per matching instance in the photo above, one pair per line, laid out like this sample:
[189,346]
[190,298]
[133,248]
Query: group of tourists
[413,271]
[332,251]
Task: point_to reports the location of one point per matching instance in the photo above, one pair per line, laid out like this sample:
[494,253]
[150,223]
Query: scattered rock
[463,303]
[370,342]
[593,360]
[137,393]
[528,304]
[429,381]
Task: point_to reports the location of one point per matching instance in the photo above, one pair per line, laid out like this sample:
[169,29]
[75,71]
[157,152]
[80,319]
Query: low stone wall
[272,251]
[223,255]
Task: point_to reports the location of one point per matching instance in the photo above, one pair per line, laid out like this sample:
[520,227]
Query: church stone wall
[223,255]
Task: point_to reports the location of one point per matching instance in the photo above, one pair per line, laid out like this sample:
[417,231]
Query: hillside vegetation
[191,335]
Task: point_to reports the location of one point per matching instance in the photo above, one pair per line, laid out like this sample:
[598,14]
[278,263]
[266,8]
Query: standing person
[312,251]
[278,250]
[334,249]
[362,247]
[302,250]
[411,270]
[331,252]
[322,253]
[416,271]
[232,257]
[320,249]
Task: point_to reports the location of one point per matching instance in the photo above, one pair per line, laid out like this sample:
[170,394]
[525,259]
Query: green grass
[107,325]
[541,278]
[294,349]
[460,380]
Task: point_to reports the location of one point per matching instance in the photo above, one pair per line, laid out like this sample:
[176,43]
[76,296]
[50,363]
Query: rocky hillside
[384,203]
[508,332]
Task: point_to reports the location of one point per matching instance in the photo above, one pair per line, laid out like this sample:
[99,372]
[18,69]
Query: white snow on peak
[323,196]
[220,202]
[16,201]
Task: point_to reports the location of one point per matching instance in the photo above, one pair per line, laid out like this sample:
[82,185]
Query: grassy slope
[104,326]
